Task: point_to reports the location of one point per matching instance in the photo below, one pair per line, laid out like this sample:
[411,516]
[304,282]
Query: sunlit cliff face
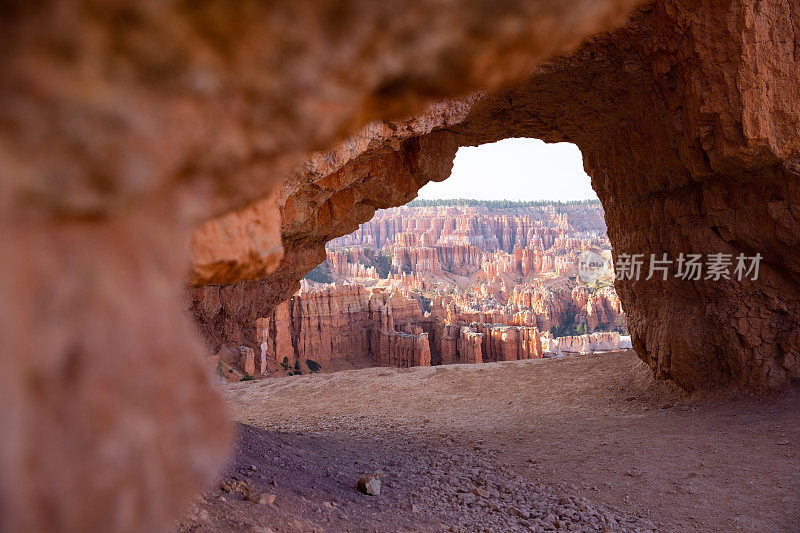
[422,285]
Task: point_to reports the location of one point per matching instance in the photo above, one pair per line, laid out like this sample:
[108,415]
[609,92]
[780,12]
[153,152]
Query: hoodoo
[428,268]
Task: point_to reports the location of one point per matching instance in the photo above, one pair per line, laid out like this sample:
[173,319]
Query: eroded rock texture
[351,326]
[125,124]
[347,325]
[688,121]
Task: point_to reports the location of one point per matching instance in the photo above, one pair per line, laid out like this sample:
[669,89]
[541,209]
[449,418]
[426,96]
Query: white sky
[515,169]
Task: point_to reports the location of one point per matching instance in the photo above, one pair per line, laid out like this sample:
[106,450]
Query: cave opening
[464,273]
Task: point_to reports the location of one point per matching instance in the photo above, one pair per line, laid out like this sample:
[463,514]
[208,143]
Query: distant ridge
[496,204]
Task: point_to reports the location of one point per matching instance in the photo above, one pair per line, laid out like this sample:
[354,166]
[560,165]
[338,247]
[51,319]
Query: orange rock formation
[127,125]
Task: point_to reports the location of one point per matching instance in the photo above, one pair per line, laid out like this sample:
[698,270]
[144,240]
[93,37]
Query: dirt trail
[577,443]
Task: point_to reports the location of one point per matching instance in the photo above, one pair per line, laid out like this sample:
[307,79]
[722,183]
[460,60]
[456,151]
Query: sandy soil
[576,443]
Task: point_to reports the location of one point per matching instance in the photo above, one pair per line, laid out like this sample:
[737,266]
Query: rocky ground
[578,443]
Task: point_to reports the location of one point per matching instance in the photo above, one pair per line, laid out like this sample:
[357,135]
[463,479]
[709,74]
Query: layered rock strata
[431,251]
[435,240]
[529,227]
[351,265]
[481,343]
[542,307]
[352,324]
[343,323]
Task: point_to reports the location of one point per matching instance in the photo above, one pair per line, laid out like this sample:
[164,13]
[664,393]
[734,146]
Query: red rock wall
[369,327]
[460,239]
[482,343]
[471,226]
[122,132]
[415,259]
[469,346]
[594,342]
[510,343]
[344,323]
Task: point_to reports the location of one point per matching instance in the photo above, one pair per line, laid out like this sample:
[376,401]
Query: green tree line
[496,204]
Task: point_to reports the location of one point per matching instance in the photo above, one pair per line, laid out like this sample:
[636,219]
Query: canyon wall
[488,229]
[347,326]
[343,324]
[523,240]
[584,344]
[484,343]
[351,264]
[351,326]
[423,248]
[544,307]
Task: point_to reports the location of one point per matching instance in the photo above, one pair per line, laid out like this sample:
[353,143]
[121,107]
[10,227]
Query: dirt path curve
[578,443]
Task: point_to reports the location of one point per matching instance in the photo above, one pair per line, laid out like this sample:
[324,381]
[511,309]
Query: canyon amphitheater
[163,160]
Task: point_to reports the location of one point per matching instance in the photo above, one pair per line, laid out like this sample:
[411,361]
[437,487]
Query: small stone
[481,493]
[370,485]
[465,498]
[261,498]
[517,512]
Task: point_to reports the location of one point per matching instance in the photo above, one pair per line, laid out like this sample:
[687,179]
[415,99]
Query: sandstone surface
[126,125]
[688,152]
[343,324]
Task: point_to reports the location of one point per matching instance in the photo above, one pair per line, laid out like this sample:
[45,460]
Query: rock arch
[679,151]
[125,125]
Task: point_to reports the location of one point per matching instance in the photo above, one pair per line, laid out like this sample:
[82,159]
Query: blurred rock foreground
[149,145]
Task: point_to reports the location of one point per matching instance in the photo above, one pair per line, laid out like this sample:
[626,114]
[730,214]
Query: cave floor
[575,443]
